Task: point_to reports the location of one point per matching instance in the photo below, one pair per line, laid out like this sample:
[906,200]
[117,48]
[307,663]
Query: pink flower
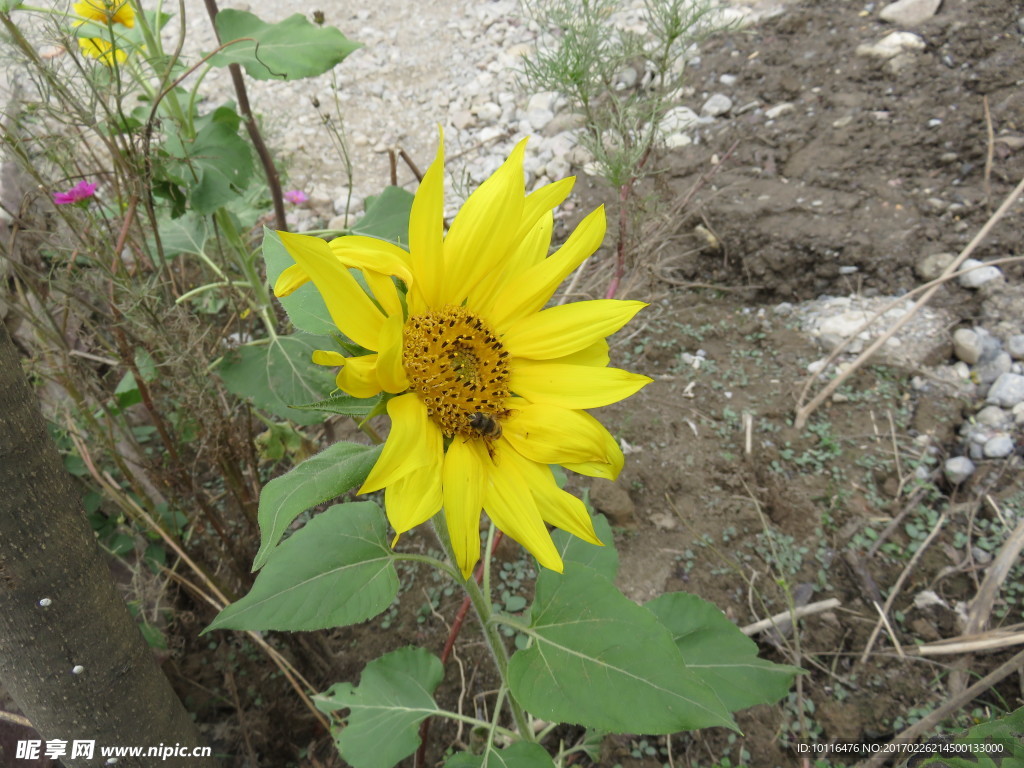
[83,190]
[296,196]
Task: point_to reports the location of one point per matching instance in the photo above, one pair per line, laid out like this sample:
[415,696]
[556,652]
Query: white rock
[728,80]
[966,345]
[1018,414]
[679,119]
[545,101]
[992,416]
[910,13]
[1015,346]
[958,469]
[998,447]
[978,275]
[779,110]
[539,118]
[716,106]
[488,111]
[892,45]
[677,140]
[1006,391]
[845,324]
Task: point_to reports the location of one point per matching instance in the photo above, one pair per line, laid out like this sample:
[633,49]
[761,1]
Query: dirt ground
[872,169]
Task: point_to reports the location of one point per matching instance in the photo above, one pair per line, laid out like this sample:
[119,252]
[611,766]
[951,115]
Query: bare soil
[872,169]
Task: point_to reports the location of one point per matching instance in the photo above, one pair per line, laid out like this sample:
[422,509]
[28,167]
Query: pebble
[992,416]
[1015,346]
[967,345]
[779,110]
[958,469]
[998,447]
[978,275]
[892,45]
[991,369]
[910,13]
[932,266]
[717,105]
[1007,390]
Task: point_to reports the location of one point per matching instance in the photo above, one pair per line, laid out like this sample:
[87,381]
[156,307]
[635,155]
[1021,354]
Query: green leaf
[387,216]
[600,660]
[998,743]
[146,365]
[334,571]
[395,694]
[522,754]
[714,648]
[127,391]
[288,50]
[319,478]
[278,374]
[218,160]
[604,560]
[343,405]
[305,307]
[186,234]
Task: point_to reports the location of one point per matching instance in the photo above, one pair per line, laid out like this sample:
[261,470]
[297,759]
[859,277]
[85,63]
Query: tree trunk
[71,656]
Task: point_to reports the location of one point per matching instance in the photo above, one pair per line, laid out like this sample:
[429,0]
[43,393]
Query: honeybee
[488,428]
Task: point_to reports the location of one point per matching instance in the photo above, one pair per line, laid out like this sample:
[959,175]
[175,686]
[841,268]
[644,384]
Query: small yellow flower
[490,388]
[108,13]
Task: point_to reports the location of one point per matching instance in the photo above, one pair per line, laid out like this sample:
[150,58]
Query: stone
[992,416]
[990,369]
[613,501]
[1018,414]
[716,106]
[967,345]
[958,469]
[910,13]
[779,110]
[1007,390]
[892,45]
[933,265]
[978,275]
[1015,346]
[679,119]
[998,447]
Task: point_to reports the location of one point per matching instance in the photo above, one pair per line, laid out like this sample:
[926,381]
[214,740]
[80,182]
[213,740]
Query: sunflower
[488,387]
[107,13]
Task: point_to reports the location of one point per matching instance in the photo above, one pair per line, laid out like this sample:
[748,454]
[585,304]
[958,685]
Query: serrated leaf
[288,50]
[319,478]
[387,216]
[998,743]
[305,306]
[714,648]
[395,694]
[602,661]
[334,571]
[343,405]
[279,374]
[522,754]
[604,560]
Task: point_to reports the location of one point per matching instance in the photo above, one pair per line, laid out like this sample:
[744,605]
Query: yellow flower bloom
[108,13]
[490,388]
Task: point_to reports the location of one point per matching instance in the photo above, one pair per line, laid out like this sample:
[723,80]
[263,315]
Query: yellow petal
[548,434]
[390,371]
[414,442]
[358,376]
[98,10]
[531,290]
[463,479]
[563,330]
[542,201]
[352,311]
[532,249]
[371,254]
[596,355]
[573,386]
[557,507]
[413,499]
[512,508]
[426,235]
[327,357]
[481,235]
[289,281]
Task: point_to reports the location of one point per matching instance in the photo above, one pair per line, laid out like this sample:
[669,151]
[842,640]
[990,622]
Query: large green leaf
[522,754]
[279,374]
[714,648]
[334,571]
[288,50]
[387,216]
[344,405]
[218,161]
[305,307]
[998,743]
[320,478]
[604,560]
[600,660]
[186,234]
[395,694]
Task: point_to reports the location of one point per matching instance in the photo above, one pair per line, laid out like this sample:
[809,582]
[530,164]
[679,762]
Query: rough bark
[75,663]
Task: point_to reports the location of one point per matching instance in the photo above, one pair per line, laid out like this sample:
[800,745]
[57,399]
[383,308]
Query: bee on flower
[487,387]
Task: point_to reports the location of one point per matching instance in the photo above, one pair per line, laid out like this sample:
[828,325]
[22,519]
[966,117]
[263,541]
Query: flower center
[459,369]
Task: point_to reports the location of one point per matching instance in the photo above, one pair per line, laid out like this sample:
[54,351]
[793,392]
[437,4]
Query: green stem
[427,560]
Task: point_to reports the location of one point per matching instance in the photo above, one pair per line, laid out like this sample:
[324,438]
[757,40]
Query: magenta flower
[296,196]
[83,190]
